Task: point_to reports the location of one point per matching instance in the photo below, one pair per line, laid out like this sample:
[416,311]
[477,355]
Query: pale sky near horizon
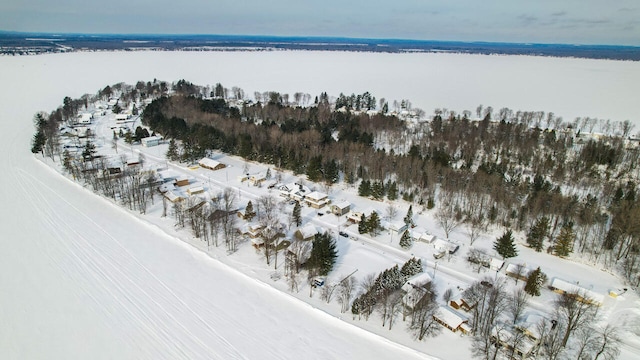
[610,22]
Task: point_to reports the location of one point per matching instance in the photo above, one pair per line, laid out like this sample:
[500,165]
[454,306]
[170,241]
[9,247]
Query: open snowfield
[81,278]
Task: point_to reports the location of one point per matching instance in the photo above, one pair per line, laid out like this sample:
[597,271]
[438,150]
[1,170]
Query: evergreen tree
[373,223]
[408,219]
[38,141]
[405,240]
[377,190]
[412,267]
[314,169]
[323,254]
[363,227]
[297,218]
[392,192]
[364,189]
[172,151]
[505,245]
[331,172]
[535,281]
[536,235]
[89,150]
[268,174]
[249,213]
[564,241]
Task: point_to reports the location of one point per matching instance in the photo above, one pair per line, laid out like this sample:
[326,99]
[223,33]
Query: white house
[317,199]
[340,208]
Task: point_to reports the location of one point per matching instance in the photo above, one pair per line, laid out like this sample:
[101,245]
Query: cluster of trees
[370,225]
[507,171]
[573,331]
[383,293]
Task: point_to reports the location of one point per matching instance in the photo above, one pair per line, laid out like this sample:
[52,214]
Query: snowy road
[82,279]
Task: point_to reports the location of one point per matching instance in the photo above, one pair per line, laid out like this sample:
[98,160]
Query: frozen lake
[567,87]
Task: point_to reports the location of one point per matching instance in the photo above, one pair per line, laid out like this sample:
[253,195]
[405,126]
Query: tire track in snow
[115,265]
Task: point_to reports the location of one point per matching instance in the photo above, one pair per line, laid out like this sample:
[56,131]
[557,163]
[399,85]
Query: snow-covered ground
[82,278]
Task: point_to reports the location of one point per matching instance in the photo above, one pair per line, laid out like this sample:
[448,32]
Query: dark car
[343,234]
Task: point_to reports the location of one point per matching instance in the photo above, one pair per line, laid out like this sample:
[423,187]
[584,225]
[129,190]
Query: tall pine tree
[534,282]
[505,245]
[297,218]
[536,235]
[564,241]
[408,219]
[405,240]
[323,254]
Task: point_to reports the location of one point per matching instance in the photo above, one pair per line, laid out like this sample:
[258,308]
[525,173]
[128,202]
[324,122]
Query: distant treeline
[19,43]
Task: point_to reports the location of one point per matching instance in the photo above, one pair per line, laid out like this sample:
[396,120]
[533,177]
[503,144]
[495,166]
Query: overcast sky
[614,22]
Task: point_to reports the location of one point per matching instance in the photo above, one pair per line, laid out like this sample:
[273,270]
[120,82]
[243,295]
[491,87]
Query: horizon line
[314,37]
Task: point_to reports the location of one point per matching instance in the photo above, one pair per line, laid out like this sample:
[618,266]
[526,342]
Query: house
[340,208]
[355,217]
[252,230]
[317,199]
[306,233]
[397,227]
[511,339]
[123,118]
[517,271]
[195,190]
[583,295]
[415,289]
[451,320]
[243,177]
[220,214]
[181,181]
[151,141]
[496,264]
[257,179]
[173,197]
[294,191]
[211,164]
[461,304]
[445,246]
[85,118]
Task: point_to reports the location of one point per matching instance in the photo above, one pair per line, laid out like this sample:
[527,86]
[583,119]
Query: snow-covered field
[81,278]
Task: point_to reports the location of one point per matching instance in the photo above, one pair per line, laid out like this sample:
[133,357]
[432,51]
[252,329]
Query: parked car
[343,234]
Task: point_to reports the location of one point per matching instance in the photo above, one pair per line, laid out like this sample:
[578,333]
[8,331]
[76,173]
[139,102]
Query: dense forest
[569,187]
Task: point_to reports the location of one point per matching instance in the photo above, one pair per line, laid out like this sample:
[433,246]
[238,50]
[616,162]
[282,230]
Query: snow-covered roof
[448,317]
[342,204]
[570,288]
[316,196]
[417,280]
[308,231]
[209,163]
[496,264]
[445,245]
